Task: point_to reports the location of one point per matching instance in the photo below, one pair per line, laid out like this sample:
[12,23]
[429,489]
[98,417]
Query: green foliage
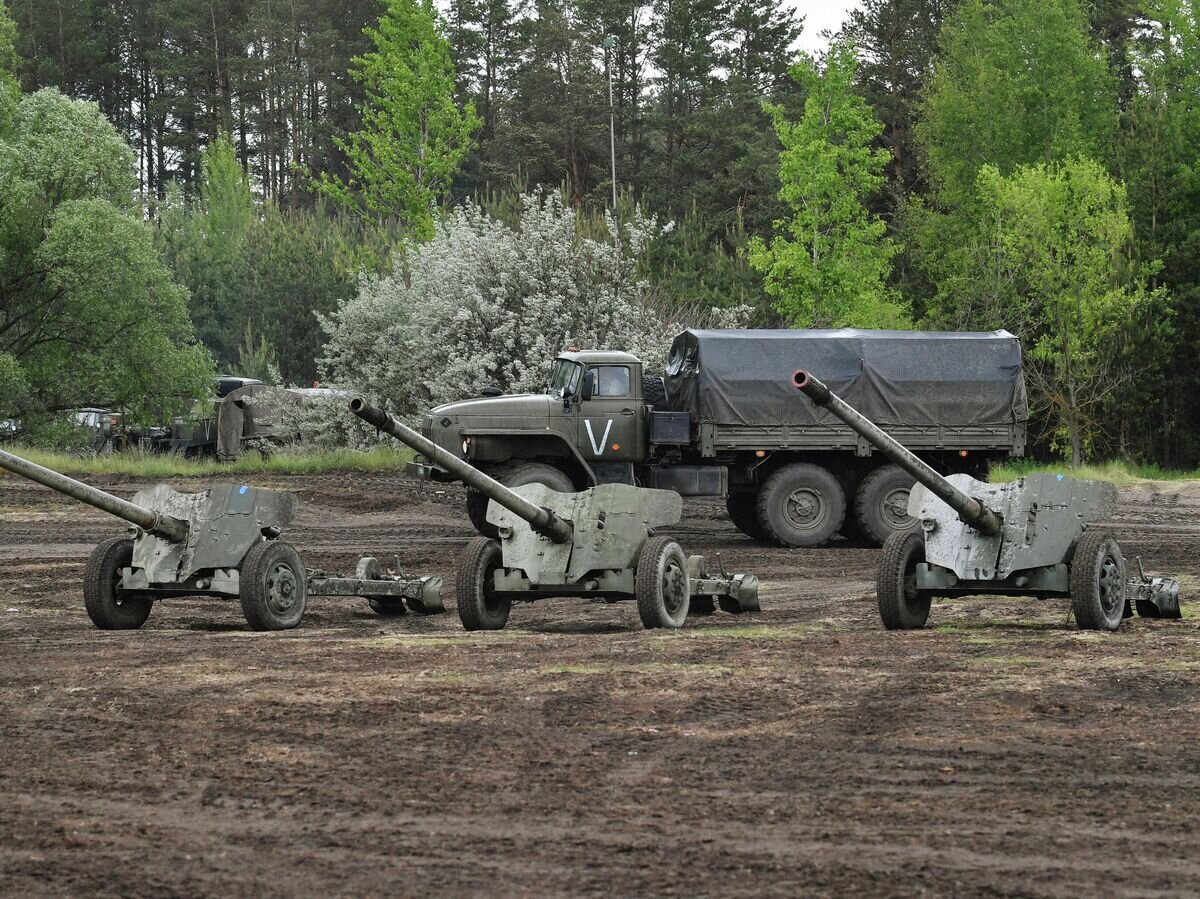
[88,312]
[828,264]
[688,265]
[208,248]
[1018,82]
[257,358]
[383,457]
[9,88]
[413,137]
[1049,257]
[897,43]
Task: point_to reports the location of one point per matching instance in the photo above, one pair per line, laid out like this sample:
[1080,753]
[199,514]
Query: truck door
[610,420]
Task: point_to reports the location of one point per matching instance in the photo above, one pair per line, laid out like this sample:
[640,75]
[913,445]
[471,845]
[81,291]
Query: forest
[420,200]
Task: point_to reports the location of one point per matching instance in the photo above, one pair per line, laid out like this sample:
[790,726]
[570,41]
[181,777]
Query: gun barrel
[969,509]
[543,521]
[168,528]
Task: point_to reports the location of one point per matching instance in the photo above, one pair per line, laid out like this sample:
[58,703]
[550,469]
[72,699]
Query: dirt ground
[801,750]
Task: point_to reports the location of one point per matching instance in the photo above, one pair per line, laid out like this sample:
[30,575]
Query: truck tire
[478,608]
[881,504]
[515,475]
[662,584]
[1098,583]
[901,606]
[274,586]
[801,505]
[109,610]
[743,512]
[654,392]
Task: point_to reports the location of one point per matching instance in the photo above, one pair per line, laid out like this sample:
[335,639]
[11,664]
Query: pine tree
[897,43]
[413,136]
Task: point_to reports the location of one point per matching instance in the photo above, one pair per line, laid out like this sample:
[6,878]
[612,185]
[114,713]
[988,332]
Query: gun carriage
[598,543]
[1038,536]
[223,542]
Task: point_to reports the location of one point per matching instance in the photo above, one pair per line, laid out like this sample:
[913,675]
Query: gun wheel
[274,586]
[479,608]
[901,605]
[661,584]
[109,608]
[1098,582]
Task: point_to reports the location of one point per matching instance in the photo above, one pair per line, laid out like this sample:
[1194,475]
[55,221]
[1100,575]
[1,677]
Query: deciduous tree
[828,263]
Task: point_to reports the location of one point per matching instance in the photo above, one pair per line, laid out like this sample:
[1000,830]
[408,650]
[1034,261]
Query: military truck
[726,422]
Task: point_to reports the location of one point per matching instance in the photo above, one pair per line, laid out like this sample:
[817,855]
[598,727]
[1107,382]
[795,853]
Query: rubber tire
[515,475]
[1087,577]
[899,609]
[388,606]
[773,496]
[654,392]
[868,503]
[477,505]
[100,578]
[255,588]
[743,512]
[475,569]
[656,554]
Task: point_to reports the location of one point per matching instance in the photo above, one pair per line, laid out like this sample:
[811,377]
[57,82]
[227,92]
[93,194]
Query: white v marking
[597,448]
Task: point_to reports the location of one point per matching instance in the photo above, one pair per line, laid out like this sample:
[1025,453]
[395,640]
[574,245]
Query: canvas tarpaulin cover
[894,378]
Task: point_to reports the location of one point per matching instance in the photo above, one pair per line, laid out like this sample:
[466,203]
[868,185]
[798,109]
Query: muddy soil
[801,750]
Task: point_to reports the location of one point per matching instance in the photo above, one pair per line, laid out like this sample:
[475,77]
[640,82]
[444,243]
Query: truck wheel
[881,504]
[901,606]
[801,505]
[109,609]
[479,609]
[661,584]
[515,475]
[274,586]
[1098,582]
[477,505]
[743,512]
[654,392]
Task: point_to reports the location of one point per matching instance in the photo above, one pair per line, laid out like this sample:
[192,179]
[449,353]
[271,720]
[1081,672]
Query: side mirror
[589,384]
[491,391]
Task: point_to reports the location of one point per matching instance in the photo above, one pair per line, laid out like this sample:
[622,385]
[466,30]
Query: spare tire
[654,391]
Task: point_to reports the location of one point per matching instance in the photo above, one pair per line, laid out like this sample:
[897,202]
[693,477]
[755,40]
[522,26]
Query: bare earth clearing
[800,750]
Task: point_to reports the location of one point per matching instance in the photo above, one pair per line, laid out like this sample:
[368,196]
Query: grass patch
[1118,472]
[154,465]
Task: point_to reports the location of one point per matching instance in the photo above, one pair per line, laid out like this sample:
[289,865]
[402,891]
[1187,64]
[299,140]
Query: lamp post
[609,43]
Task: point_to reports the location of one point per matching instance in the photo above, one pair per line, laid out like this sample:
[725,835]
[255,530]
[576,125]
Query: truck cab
[588,427]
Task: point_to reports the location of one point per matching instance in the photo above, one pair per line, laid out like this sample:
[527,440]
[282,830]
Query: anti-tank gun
[222,542]
[1035,536]
[598,543]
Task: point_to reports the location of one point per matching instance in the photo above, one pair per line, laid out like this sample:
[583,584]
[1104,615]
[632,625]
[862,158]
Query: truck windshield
[565,373]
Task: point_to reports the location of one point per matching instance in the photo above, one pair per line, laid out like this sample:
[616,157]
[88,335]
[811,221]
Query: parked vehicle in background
[726,421]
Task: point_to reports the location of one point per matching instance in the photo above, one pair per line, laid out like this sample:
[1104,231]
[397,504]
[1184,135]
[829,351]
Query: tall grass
[153,465]
[1118,472]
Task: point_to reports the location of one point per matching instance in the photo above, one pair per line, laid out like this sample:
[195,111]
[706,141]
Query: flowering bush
[484,303]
